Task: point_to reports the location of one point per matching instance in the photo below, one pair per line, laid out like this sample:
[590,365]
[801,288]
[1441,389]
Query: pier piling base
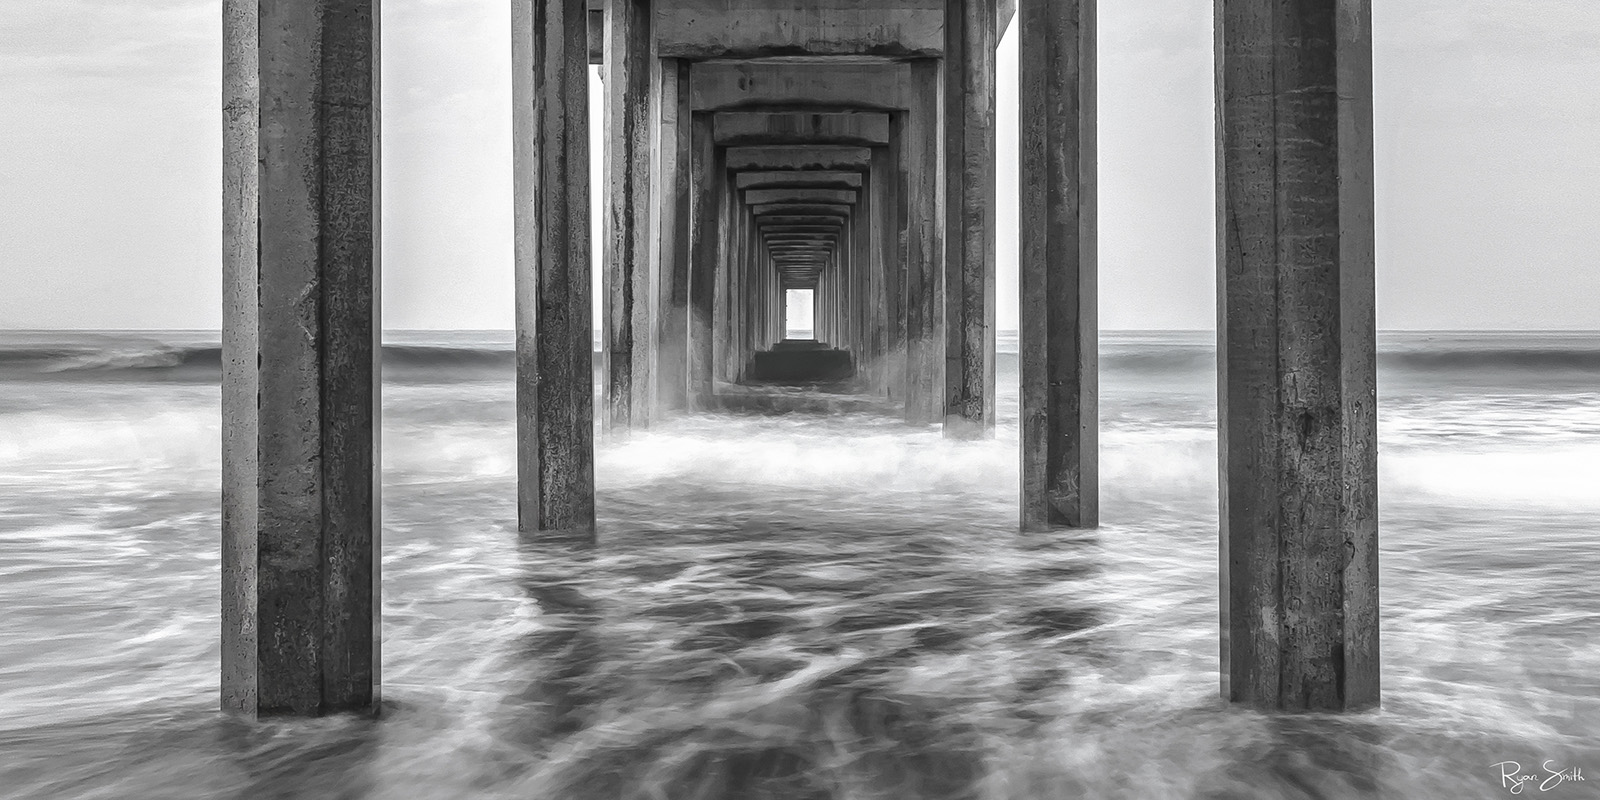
[1297,354]
[300,357]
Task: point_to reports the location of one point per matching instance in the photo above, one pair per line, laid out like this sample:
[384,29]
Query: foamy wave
[1566,477]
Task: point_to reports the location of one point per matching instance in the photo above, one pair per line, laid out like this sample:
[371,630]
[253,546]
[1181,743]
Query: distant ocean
[819,606]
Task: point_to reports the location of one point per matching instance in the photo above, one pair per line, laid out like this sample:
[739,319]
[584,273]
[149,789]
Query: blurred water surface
[817,606]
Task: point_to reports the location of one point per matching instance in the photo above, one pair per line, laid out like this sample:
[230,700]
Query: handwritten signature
[1513,778]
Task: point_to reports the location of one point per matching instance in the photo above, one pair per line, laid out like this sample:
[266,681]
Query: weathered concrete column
[969,80]
[300,404]
[733,265]
[861,266]
[924,250]
[705,246]
[722,314]
[672,235]
[630,334]
[885,268]
[555,346]
[897,226]
[1298,417]
[754,287]
[1059,319]
[844,300]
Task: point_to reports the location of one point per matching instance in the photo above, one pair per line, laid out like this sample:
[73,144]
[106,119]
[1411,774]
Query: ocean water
[829,605]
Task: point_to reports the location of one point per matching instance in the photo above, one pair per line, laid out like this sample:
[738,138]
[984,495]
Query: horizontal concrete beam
[804,233]
[739,128]
[821,86]
[766,209]
[757,197]
[819,157]
[773,220]
[794,177]
[701,29]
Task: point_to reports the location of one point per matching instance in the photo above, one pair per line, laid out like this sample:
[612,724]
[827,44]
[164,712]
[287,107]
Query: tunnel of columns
[844,148]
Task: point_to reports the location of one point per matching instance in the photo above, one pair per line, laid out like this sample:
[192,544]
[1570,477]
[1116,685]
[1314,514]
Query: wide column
[1296,353]
[555,346]
[1059,298]
[300,344]
[969,159]
[629,330]
[923,255]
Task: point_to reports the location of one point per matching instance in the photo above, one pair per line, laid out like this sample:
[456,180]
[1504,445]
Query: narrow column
[860,255]
[884,269]
[672,236]
[843,304]
[300,335]
[924,251]
[969,159]
[752,293]
[1296,354]
[895,243]
[629,332]
[734,264]
[706,205]
[1059,303]
[555,345]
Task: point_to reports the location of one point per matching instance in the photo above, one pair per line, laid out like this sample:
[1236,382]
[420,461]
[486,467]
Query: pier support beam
[969,158]
[886,299]
[555,345]
[1059,303]
[1296,353]
[629,330]
[672,235]
[707,170]
[923,254]
[300,404]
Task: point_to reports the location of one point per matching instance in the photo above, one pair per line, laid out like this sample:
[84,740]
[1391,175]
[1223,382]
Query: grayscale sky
[1487,163]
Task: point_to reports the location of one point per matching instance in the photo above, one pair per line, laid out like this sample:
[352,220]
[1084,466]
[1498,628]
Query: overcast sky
[110,144]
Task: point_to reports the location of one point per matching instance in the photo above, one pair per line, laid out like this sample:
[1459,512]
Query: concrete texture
[923,255]
[969,172]
[702,29]
[1296,354]
[630,333]
[555,398]
[300,397]
[672,235]
[1058,269]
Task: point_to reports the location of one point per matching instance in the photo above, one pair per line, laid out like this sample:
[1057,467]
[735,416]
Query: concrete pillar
[733,263]
[924,250]
[897,224]
[629,328]
[860,248]
[555,345]
[722,317]
[300,404]
[1059,298]
[1296,352]
[672,235]
[706,221]
[755,284]
[884,269]
[842,251]
[969,80]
